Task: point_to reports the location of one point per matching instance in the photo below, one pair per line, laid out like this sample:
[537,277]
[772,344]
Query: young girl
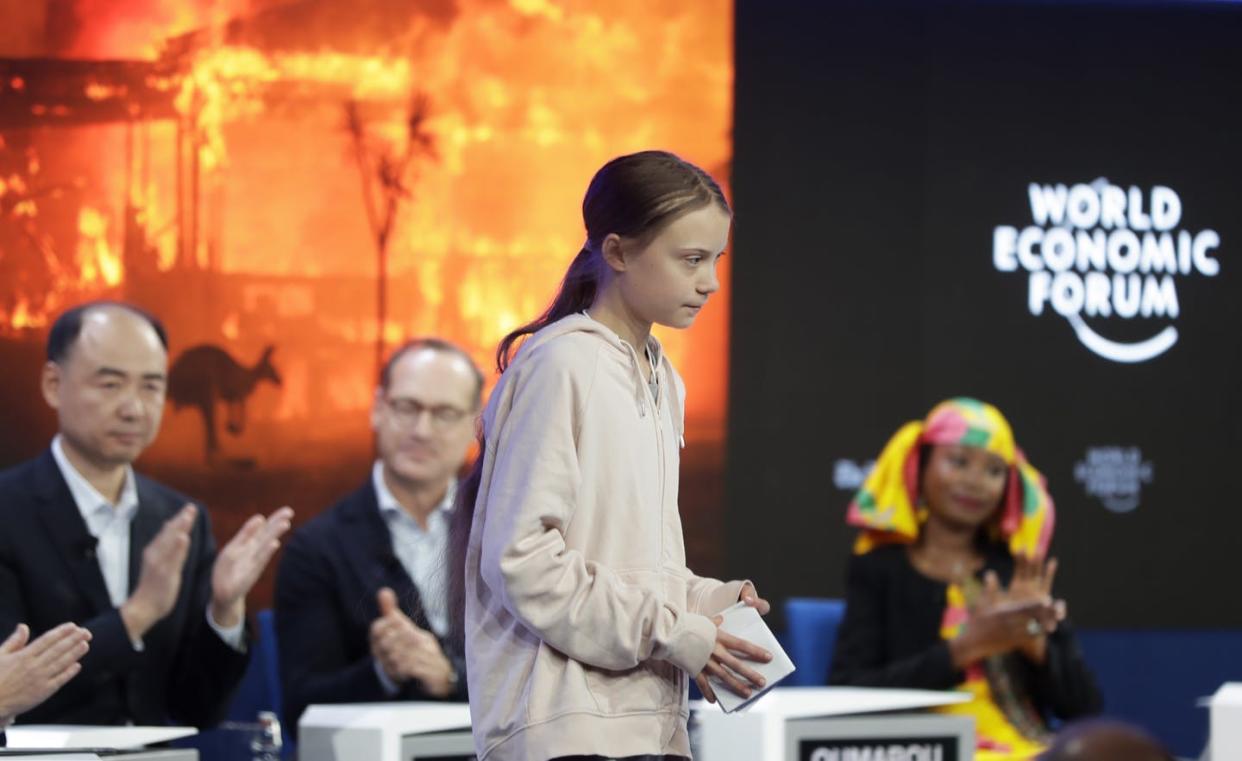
[582,622]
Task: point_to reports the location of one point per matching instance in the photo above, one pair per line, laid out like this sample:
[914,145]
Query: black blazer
[891,637]
[49,574]
[326,584]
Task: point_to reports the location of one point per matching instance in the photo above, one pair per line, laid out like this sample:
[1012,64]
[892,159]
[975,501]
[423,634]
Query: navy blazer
[49,574]
[329,575]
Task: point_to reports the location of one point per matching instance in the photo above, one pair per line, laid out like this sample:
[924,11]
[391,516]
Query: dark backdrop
[877,147]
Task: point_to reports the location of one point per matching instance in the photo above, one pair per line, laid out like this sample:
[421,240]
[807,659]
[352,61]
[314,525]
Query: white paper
[744,622]
[31,736]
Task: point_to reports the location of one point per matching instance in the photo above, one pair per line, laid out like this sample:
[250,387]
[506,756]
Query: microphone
[86,547]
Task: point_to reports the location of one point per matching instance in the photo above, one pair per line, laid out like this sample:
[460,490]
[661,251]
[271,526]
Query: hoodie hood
[581,322]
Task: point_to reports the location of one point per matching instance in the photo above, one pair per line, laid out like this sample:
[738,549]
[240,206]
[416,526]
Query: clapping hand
[159,581]
[30,673]
[240,563]
[1032,582]
[406,651]
[1015,619]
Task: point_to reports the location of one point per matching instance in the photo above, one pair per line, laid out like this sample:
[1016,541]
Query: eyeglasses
[406,412]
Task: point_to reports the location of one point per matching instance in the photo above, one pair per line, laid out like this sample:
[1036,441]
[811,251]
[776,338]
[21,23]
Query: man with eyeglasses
[361,592]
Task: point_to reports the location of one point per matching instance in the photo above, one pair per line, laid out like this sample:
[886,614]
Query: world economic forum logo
[1115,475]
[1101,252]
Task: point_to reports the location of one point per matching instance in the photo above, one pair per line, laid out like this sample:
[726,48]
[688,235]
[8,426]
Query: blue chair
[269,658]
[259,690]
[260,687]
[1154,677]
[810,635]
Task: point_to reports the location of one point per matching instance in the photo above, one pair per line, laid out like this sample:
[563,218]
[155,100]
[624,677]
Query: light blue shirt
[420,552]
[110,525]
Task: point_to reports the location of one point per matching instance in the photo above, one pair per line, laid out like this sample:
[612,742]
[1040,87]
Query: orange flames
[230,84]
[525,100]
[22,318]
[139,28]
[98,263]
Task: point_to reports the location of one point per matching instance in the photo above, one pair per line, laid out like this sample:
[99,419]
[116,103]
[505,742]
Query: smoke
[103,29]
[132,28]
[22,33]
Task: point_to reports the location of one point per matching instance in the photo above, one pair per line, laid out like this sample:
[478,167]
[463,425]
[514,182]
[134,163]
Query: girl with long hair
[582,624]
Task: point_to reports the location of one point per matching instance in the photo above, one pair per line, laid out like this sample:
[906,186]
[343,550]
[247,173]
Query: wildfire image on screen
[297,186]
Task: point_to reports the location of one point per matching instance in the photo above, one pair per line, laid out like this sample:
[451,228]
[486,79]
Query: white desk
[159,754]
[385,732]
[823,723]
[82,741]
[1226,722]
[787,724]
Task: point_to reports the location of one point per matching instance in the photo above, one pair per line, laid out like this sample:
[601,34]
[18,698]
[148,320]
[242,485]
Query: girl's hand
[727,666]
[749,596]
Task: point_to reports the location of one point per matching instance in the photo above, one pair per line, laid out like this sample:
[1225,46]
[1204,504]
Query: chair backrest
[810,635]
[259,690]
[260,686]
[270,656]
[1155,677]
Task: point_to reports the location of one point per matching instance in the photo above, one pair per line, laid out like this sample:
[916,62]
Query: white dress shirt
[420,552]
[110,525]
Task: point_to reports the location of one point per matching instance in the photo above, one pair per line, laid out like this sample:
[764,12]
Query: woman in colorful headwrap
[949,587]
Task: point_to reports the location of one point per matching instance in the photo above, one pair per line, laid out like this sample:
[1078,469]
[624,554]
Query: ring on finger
[1033,628]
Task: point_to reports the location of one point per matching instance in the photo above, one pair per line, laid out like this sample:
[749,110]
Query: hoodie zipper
[656,421]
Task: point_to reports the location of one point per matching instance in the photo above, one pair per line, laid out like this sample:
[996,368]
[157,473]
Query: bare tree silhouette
[386,180]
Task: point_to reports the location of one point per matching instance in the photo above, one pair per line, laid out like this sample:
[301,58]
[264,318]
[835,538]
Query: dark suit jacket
[49,574]
[891,637]
[329,575]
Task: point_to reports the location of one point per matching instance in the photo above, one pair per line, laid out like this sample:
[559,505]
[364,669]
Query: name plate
[942,748]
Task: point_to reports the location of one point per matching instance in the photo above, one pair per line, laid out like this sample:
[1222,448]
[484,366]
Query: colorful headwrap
[885,508]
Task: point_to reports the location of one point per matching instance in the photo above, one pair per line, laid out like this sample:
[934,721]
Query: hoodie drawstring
[639,383]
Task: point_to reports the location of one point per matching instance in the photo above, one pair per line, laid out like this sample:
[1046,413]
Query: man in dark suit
[361,602]
[86,539]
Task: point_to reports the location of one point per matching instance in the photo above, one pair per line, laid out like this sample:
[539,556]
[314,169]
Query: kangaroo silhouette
[206,374]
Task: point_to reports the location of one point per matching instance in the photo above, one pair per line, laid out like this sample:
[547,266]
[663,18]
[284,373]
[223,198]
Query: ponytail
[577,292]
[458,540]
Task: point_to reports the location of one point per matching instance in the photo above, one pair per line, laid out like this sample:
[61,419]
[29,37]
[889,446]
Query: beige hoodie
[583,623]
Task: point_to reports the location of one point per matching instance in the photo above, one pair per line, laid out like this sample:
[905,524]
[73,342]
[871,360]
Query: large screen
[297,188]
[1036,204]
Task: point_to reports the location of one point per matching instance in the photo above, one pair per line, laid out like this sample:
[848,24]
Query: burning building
[328,178]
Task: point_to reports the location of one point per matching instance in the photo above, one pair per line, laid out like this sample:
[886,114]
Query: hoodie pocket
[558,685]
[652,686]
